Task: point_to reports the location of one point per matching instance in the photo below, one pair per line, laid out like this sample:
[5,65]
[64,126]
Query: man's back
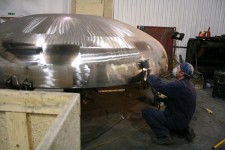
[182,102]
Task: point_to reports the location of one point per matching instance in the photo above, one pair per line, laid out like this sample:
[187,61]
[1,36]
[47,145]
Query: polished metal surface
[79,51]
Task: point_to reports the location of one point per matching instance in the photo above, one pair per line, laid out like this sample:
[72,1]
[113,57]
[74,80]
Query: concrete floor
[113,121]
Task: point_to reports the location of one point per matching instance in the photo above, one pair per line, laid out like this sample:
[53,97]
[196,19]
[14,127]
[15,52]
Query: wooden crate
[39,120]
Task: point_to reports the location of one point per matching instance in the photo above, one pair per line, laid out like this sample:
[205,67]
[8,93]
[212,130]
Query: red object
[163,35]
[204,33]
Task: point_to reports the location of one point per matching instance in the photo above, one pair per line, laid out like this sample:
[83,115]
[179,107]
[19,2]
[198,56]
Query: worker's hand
[139,77]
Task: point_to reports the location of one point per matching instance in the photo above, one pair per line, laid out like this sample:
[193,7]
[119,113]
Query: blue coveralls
[180,106]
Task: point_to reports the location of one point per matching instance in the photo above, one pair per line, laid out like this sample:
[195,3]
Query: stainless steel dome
[78,51]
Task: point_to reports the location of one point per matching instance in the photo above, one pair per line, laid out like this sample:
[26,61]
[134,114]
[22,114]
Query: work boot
[167,140]
[189,134]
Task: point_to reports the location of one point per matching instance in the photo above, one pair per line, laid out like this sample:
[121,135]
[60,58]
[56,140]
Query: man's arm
[160,86]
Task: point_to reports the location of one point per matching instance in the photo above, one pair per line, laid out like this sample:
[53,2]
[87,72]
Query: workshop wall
[188,17]
[92,7]
[19,8]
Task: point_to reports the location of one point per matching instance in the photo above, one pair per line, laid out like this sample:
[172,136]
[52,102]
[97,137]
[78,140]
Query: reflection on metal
[79,51]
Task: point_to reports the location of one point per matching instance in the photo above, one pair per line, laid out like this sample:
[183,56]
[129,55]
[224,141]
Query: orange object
[204,33]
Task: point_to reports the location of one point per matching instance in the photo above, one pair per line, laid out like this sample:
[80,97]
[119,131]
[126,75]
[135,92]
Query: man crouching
[180,106]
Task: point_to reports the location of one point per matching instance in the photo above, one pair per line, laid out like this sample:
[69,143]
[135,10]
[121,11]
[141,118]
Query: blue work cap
[187,69]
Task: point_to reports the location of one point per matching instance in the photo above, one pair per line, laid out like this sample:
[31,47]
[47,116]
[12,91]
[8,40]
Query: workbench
[206,54]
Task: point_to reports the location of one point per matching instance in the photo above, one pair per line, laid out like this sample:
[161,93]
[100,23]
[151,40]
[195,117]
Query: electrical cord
[100,134]
[114,139]
[213,116]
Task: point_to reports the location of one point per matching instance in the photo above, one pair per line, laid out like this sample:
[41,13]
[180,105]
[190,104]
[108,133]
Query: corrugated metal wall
[188,16]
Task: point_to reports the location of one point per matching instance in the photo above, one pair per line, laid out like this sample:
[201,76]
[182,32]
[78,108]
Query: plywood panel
[17,131]
[108,9]
[38,125]
[3,132]
[65,130]
[90,7]
[93,7]
[33,102]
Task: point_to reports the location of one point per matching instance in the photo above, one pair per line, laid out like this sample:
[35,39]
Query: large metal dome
[79,51]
